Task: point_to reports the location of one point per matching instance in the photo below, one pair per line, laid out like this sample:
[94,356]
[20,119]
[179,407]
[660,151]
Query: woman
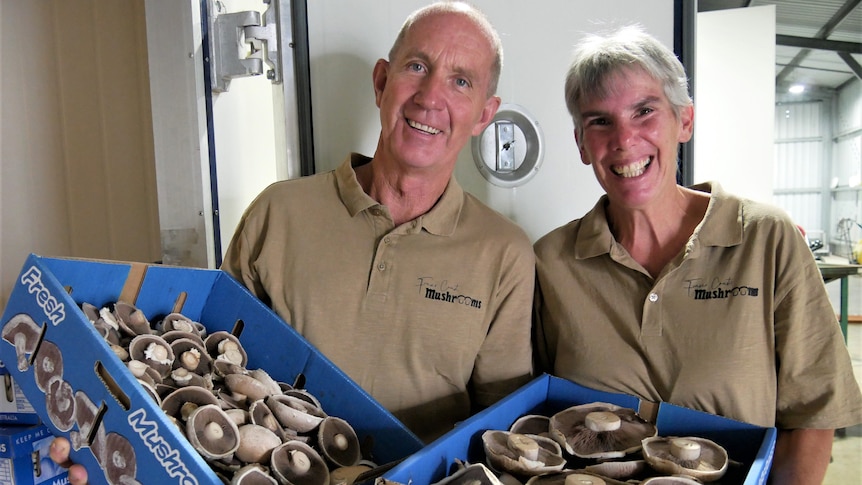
[685,295]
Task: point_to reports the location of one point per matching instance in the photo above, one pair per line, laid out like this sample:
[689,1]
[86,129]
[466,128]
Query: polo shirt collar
[441,220]
[721,225]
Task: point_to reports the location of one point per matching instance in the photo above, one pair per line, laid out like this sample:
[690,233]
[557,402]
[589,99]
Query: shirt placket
[651,322]
[382,267]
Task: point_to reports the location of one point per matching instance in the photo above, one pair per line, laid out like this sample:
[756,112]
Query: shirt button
[653,297]
[387,240]
[381,266]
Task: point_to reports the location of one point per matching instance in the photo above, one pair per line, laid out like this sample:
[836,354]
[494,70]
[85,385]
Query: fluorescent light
[796,88]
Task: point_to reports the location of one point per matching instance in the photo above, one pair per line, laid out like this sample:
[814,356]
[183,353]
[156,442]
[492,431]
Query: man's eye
[415,66]
[463,83]
[597,121]
[646,111]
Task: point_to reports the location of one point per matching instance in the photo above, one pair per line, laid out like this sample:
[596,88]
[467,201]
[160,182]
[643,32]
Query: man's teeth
[632,170]
[425,128]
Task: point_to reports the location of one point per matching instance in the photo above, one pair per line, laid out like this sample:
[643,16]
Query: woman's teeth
[632,170]
[425,128]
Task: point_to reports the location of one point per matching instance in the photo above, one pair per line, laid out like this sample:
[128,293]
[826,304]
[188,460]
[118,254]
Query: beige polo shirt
[738,325]
[431,317]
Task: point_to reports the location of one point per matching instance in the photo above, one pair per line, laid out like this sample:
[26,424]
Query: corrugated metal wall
[818,165]
[846,205]
[800,161]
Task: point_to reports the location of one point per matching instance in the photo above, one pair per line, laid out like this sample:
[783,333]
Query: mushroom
[531,424]
[118,460]
[692,456]
[253,474]
[296,463]
[338,442]
[186,378]
[572,477]
[474,474]
[131,320]
[225,346]
[108,317]
[191,355]
[294,413]
[178,321]
[85,417]
[22,332]
[186,397]
[260,414]
[246,385]
[212,432]
[143,372]
[153,351]
[522,454]
[60,403]
[256,443]
[672,480]
[302,394]
[621,470]
[600,430]
[47,364]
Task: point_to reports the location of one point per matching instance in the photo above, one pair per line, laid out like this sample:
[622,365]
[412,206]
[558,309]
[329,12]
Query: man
[685,295]
[411,286]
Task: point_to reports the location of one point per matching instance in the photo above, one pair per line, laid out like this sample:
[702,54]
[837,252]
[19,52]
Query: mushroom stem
[191,359]
[684,449]
[340,441]
[299,462]
[157,353]
[602,421]
[214,431]
[523,445]
[20,345]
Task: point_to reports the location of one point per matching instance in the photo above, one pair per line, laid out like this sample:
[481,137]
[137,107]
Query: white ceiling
[818,42]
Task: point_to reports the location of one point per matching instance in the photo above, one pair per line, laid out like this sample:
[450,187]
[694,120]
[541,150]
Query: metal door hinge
[241,45]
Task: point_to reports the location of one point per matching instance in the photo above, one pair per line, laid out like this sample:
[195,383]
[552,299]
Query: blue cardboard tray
[751,445]
[50,291]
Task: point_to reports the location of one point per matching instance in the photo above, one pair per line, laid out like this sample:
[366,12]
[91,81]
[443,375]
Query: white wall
[735,100]
[348,37]
[78,177]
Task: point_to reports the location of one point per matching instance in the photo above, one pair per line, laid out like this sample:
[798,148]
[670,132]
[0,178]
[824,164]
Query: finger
[59,452]
[77,475]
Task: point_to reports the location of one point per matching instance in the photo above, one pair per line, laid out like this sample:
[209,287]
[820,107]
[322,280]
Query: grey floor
[846,466]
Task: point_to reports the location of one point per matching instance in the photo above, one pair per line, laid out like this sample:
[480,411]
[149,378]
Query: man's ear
[378,78]
[492,104]
[686,119]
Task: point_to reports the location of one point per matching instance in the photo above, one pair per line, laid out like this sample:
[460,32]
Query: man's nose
[430,93]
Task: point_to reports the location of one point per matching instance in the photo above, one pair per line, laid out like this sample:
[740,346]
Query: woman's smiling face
[631,138]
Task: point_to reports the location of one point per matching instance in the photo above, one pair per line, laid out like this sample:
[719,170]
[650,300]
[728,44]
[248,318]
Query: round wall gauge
[509,151]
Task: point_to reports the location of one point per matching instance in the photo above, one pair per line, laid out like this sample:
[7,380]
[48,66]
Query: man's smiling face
[433,95]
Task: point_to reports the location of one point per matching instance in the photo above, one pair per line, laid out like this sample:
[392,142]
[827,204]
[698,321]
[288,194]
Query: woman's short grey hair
[599,56]
[478,18]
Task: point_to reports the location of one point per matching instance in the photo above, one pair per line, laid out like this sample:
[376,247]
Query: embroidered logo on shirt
[444,292]
[717,289]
